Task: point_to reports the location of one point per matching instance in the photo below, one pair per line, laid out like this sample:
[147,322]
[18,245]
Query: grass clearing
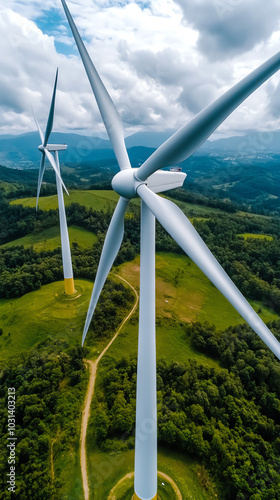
[49,239]
[97,200]
[107,200]
[50,314]
[125,490]
[184,293]
[171,344]
[67,467]
[107,469]
[247,236]
[252,215]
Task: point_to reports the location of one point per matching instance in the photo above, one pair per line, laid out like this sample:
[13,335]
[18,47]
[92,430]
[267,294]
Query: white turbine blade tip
[110,115]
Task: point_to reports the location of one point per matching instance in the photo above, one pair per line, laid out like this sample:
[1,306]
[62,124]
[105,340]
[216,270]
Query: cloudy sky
[161,60]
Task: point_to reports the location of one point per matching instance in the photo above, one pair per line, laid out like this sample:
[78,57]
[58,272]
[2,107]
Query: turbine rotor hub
[125,183]
[41,148]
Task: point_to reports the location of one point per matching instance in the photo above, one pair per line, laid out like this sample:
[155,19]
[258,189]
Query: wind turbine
[46,150]
[145,182]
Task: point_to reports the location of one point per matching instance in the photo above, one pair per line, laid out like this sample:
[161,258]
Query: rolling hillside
[49,239]
[184,295]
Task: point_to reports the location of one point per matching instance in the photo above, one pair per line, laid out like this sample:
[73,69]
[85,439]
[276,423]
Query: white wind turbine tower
[46,150]
[145,182]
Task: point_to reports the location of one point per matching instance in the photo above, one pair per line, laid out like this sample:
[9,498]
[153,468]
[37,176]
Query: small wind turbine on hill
[145,182]
[46,150]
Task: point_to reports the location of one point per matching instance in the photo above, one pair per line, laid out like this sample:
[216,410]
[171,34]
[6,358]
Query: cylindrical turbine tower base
[69,286]
[136,497]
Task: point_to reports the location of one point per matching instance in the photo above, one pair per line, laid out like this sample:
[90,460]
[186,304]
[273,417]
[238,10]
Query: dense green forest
[49,385]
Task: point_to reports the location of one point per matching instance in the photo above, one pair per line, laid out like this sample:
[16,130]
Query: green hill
[97,200]
[50,314]
[49,239]
[183,295]
[104,200]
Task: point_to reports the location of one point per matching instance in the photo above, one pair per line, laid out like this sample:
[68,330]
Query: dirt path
[112,495]
[90,391]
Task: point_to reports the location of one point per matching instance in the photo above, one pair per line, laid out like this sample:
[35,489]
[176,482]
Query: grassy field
[125,490]
[192,298]
[107,469]
[67,466]
[50,314]
[97,200]
[247,236]
[49,239]
[171,344]
[184,293]
[105,200]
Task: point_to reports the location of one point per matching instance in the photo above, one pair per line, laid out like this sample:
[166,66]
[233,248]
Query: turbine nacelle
[126,183]
[52,147]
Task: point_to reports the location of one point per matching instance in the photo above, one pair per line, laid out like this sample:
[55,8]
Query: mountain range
[21,151]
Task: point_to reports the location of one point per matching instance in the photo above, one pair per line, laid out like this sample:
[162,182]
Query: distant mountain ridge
[21,151]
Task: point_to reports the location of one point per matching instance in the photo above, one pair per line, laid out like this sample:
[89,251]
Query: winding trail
[93,365]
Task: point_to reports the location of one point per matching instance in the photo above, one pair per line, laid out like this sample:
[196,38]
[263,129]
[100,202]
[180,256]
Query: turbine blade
[180,228]
[187,140]
[51,113]
[53,164]
[40,177]
[109,113]
[38,126]
[110,250]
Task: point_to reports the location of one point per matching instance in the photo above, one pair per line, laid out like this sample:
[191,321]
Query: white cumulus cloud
[162,61]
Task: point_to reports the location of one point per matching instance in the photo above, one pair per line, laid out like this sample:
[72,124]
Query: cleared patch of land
[49,239]
[106,469]
[106,200]
[184,293]
[97,200]
[50,314]
[247,236]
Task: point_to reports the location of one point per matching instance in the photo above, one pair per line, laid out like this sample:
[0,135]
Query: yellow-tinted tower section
[69,286]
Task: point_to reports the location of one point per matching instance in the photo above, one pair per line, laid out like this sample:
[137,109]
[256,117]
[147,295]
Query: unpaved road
[90,391]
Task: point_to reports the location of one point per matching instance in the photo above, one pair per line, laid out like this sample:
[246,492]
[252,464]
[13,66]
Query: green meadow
[105,200]
[51,314]
[247,236]
[105,470]
[49,239]
[184,293]
[97,200]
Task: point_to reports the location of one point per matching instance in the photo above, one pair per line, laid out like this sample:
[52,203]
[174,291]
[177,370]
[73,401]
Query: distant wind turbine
[145,182]
[46,150]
